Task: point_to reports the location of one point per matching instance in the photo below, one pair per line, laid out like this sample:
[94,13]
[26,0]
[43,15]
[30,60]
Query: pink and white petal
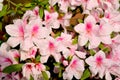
[90,61]
[27,44]
[77,74]
[106,39]
[23,55]
[82,40]
[56,24]
[101,72]
[94,42]
[106,29]
[44,59]
[100,53]
[80,28]
[80,54]
[93,70]
[108,76]
[92,4]
[57,57]
[13,41]
[91,19]
[53,2]
[12,30]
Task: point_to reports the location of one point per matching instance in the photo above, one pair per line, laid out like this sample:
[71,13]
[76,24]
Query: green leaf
[41,12]
[37,58]
[75,40]
[13,68]
[45,76]
[80,20]
[86,74]
[91,51]
[28,5]
[0,26]
[4,11]
[31,78]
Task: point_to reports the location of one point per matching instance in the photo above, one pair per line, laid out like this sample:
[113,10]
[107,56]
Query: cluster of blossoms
[32,37]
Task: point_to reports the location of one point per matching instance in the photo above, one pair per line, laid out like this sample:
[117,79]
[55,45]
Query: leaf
[41,12]
[37,58]
[4,11]
[0,26]
[75,40]
[86,74]
[13,68]
[28,5]
[31,78]
[92,52]
[45,76]
[80,20]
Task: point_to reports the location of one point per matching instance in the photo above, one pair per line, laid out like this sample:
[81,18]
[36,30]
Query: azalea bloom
[28,54]
[88,32]
[48,47]
[39,68]
[97,63]
[75,68]
[113,19]
[18,34]
[31,14]
[105,29]
[28,70]
[36,31]
[51,20]
[64,4]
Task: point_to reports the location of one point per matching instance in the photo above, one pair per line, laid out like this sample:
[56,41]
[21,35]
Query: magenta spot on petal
[8,60]
[99,60]
[36,12]
[74,63]
[21,31]
[29,67]
[59,39]
[88,27]
[47,17]
[33,52]
[51,46]
[35,30]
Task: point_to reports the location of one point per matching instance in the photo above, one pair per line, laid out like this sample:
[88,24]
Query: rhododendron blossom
[75,68]
[88,32]
[98,63]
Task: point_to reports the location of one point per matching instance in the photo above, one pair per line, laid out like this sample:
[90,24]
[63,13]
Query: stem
[12,3]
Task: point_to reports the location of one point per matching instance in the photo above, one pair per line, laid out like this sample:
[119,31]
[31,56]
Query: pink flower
[97,63]
[47,48]
[105,30]
[16,31]
[51,20]
[36,31]
[28,54]
[31,15]
[75,68]
[64,4]
[88,32]
[28,70]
